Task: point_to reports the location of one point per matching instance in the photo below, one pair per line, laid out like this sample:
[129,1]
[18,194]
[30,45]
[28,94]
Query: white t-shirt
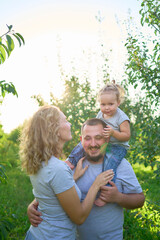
[53,178]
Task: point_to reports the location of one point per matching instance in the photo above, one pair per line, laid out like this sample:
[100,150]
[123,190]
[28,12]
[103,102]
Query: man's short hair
[93,122]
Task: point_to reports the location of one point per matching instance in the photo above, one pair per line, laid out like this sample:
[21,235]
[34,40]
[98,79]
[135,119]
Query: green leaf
[9,27]
[7,88]
[4,46]
[10,43]
[20,36]
[2,53]
[17,39]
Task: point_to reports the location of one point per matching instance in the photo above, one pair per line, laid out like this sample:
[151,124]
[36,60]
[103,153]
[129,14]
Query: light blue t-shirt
[115,122]
[106,223]
[53,178]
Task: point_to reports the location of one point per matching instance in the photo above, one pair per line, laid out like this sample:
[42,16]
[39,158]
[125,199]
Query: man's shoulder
[124,165]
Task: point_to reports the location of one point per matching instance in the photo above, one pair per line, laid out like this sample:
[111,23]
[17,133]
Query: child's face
[108,104]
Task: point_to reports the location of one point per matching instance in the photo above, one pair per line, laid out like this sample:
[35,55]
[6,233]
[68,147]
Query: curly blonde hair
[115,88]
[39,139]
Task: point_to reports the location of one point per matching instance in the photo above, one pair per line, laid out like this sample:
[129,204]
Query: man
[103,222]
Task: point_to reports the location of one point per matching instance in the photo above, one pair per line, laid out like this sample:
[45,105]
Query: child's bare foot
[99,202]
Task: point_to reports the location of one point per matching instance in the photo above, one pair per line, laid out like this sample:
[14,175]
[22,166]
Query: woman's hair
[114,88]
[39,139]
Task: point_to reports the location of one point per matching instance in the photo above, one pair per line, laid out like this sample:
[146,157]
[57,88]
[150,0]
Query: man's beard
[93,158]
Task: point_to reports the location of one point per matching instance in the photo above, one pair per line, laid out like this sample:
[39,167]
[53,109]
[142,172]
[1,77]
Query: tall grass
[14,199]
[139,224]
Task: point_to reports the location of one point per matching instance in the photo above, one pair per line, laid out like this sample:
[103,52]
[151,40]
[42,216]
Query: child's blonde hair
[115,88]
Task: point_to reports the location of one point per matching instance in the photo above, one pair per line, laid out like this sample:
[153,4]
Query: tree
[143,66]
[6,47]
[143,70]
[150,13]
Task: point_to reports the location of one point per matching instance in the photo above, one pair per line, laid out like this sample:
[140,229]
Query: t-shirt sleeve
[99,114]
[122,117]
[62,179]
[127,181]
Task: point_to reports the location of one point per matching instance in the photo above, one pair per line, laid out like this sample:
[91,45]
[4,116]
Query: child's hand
[108,131]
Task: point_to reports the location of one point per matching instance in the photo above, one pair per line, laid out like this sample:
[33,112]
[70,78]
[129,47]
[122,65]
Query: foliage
[3,176]
[15,197]
[145,134]
[150,14]
[143,71]
[9,147]
[142,223]
[143,65]
[6,226]
[6,145]
[6,47]
[148,182]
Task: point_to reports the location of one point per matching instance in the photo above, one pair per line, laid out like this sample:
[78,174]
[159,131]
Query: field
[139,224]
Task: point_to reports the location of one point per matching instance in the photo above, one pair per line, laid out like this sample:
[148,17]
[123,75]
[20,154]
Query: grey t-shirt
[106,222]
[115,122]
[53,178]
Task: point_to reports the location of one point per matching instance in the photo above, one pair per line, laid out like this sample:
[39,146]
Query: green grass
[144,223]
[139,224]
[15,197]
[148,182]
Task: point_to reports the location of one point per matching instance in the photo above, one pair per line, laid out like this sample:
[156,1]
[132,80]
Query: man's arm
[34,214]
[129,201]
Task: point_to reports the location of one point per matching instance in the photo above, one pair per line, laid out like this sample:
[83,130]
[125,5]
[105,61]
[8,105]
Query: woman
[41,144]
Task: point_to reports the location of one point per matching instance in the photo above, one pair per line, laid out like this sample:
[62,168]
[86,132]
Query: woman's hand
[103,178]
[79,169]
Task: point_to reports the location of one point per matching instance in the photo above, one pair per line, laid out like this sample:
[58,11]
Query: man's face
[92,139]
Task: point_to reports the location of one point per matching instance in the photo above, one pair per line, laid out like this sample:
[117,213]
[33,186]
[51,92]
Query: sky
[59,32]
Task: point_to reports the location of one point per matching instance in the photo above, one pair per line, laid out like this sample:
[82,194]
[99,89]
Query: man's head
[92,139]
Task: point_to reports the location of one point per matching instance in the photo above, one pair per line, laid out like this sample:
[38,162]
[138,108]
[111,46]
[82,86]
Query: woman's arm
[69,200]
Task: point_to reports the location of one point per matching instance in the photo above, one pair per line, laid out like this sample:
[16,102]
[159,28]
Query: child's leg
[112,159]
[76,154]
[114,155]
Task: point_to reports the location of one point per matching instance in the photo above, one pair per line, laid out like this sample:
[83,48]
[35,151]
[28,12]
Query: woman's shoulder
[57,163]
[57,168]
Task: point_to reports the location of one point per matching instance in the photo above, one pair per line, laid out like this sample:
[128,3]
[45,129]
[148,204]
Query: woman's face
[65,129]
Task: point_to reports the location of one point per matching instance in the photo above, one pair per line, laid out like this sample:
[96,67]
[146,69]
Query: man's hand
[109,194]
[125,200]
[33,214]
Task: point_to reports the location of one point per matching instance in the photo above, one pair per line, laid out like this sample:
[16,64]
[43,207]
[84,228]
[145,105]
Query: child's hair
[115,88]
